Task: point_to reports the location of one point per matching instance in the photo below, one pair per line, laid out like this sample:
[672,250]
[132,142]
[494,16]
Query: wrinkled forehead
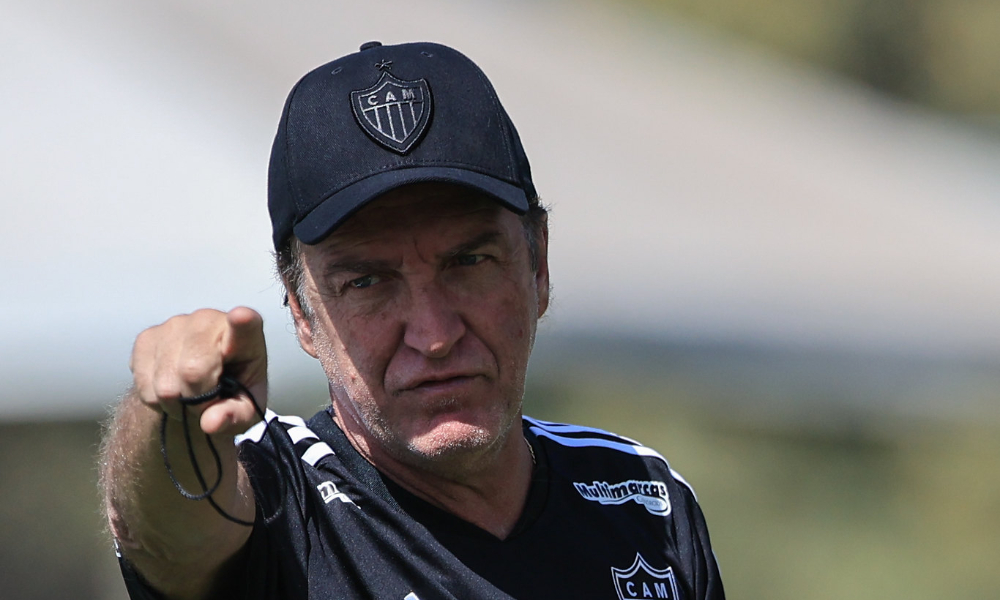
[437,207]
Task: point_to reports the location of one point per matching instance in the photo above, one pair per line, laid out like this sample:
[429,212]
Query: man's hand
[185,356]
[179,546]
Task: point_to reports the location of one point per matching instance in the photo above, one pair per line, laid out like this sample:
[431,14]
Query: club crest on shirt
[650,494]
[643,581]
[393,112]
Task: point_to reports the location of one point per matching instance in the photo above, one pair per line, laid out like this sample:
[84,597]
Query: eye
[468,260]
[362,282]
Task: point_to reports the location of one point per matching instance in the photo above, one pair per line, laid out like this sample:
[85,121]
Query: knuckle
[206,315]
[143,341]
[194,371]
[165,389]
[143,386]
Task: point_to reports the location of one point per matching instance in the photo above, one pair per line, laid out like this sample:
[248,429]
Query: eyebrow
[357,266]
[483,239]
[351,265]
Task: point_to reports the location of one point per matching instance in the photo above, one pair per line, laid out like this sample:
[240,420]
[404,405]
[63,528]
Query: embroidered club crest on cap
[643,581]
[394,112]
[358,127]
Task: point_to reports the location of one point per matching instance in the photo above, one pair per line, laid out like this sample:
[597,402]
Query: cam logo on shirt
[643,581]
[650,494]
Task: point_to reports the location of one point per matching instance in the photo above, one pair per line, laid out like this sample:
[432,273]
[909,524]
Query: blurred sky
[700,190]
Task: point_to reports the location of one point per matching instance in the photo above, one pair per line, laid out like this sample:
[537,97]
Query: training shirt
[605,518]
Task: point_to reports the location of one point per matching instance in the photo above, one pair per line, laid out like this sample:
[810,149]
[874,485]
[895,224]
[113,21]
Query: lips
[441,382]
[408,374]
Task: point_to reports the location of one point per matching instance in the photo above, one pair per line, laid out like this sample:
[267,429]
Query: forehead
[440,208]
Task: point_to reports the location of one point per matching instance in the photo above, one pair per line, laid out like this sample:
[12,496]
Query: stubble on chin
[428,440]
[452,450]
[452,457]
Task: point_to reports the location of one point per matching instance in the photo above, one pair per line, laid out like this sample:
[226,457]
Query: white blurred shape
[699,191]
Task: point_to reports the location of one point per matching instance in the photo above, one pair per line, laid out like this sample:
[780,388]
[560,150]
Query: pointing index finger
[243,340]
[244,357]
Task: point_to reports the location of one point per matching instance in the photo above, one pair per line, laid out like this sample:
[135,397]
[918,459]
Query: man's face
[425,306]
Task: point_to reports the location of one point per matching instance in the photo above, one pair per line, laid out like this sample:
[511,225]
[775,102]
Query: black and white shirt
[606,518]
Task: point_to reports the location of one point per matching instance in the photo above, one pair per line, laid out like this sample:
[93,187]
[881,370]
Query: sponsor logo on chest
[643,581]
[650,494]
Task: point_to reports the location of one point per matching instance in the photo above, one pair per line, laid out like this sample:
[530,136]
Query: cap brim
[338,207]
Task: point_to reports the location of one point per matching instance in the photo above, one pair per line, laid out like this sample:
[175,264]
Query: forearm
[178,545]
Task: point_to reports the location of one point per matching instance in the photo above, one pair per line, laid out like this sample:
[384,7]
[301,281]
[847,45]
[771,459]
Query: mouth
[446,383]
[440,383]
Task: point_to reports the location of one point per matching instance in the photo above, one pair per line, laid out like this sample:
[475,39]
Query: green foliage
[886,508]
[944,54]
[870,507]
[52,541]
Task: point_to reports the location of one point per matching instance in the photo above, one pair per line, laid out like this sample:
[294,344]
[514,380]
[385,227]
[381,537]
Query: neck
[487,488]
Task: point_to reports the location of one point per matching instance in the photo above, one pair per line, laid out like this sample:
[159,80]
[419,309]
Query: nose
[433,325]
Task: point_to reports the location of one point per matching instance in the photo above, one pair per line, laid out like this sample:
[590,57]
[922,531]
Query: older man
[414,251]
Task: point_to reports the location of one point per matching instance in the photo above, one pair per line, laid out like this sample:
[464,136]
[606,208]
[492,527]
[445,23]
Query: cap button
[368,45]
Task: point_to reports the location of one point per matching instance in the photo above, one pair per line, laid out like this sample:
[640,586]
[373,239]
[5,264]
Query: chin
[457,443]
[452,438]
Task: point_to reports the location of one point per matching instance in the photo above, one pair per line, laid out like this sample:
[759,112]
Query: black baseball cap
[387,116]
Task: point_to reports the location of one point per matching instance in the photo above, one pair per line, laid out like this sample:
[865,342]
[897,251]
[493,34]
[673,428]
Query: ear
[542,272]
[303,326]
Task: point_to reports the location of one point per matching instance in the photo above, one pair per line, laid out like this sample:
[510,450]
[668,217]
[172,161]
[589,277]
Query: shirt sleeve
[707,578]
[136,586]
[245,578]
[713,589]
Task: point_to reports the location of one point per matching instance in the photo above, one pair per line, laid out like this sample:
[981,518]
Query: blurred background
[774,253]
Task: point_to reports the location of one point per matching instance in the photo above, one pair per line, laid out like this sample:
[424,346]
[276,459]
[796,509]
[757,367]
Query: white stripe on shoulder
[256,432]
[597,442]
[552,431]
[568,428]
[293,420]
[681,479]
[301,433]
[316,452]
[297,430]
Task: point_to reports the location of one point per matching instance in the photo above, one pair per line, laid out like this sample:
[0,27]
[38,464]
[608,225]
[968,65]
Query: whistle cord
[228,388]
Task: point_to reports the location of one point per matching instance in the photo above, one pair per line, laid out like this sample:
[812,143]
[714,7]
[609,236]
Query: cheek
[511,316]
[362,347]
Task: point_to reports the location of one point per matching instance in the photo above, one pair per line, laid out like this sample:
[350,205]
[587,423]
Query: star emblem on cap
[383,65]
